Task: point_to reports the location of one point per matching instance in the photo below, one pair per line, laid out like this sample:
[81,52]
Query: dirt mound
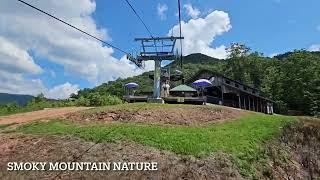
[64,149]
[180,115]
[296,155]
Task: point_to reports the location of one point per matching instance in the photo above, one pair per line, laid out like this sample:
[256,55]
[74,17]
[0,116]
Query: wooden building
[228,92]
[185,95]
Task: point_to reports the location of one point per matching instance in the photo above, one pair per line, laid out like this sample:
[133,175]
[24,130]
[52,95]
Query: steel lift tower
[156,49]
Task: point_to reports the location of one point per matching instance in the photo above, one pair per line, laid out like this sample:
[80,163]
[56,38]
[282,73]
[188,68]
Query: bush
[96,99]
[82,101]
[112,100]
[12,107]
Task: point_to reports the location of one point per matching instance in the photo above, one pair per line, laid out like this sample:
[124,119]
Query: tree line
[291,79]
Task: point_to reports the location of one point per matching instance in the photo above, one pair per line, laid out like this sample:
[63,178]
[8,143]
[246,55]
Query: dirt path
[35,115]
[22,148]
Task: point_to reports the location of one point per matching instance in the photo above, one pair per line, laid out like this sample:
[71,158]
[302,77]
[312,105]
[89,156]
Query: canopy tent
[202,83]
[183,88]
[131,85]
[130,88]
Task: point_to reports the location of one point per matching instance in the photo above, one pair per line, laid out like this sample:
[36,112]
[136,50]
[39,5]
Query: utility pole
[156,49]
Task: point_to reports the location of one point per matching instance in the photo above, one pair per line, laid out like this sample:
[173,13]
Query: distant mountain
[288,54]
[11,98]
[195,59]
[191,65]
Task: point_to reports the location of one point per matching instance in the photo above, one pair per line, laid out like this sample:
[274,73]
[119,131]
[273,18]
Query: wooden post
[239,97]
[244,100]
[249,103]
[222,91]
[254,107]
[258,104]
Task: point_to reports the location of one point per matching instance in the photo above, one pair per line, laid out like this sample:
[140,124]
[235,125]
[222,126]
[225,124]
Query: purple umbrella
[202,83]
[132,85]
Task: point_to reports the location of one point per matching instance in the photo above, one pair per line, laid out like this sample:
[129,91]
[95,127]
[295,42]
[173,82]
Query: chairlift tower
[156,49]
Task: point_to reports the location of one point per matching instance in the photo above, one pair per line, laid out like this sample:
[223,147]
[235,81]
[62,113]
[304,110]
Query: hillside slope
[262,147]
[15,98]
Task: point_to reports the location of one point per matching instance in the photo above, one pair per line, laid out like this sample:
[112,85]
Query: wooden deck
[132,99]
[185,100]
[171,99]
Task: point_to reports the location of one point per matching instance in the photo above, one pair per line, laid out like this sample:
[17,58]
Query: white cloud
[62,91]
[191,11]
[26,30]
[78,54]
[13,58]
[315,47]
[16,83]
[200,33]
[162,9]
[273,54]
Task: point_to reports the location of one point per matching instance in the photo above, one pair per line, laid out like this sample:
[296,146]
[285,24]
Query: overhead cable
[74,27]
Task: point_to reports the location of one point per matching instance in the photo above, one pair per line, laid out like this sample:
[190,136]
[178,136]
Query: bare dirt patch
[35,115]
[180,115]
[63,149]
[296,155]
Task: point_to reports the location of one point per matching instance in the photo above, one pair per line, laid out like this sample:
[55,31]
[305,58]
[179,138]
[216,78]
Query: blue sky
[268,26]
[38,54]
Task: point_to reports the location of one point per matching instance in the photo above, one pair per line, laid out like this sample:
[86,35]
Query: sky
[41,55]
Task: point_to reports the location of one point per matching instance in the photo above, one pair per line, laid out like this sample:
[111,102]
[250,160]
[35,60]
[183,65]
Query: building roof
[183,88]
[194,77]
[199,73]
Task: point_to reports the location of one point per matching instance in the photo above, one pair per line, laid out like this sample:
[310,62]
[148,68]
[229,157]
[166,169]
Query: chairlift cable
[144,24]
[135,12]
[74,27]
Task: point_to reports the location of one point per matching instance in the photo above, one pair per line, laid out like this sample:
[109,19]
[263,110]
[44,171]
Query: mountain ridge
[20,99]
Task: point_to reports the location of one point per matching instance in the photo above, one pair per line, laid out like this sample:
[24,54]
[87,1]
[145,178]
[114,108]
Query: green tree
[39,98]
[235,67]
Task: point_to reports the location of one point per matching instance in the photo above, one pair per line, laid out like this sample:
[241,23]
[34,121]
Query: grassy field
[18,110]
[242,139]
[3,126]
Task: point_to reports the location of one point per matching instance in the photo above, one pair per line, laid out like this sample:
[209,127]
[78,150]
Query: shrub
[96,99]
[112,100]
[81,101]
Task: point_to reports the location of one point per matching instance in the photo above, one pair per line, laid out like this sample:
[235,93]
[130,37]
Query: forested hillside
[14,98]
[291,79]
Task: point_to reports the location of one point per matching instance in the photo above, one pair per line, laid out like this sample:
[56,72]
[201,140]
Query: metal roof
[183,88]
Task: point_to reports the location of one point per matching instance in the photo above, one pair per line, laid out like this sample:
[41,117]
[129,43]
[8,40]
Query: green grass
[5,126]
[133,107]
[20,110]
[242,139]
